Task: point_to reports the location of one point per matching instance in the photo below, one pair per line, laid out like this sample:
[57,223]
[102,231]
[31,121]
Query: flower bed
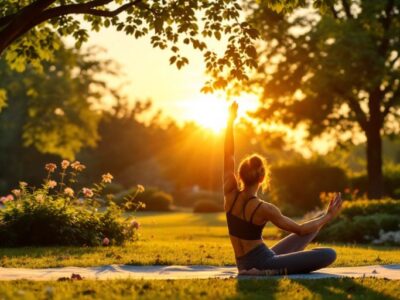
[59,213]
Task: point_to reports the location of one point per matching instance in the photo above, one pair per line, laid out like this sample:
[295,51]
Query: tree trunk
[374,162]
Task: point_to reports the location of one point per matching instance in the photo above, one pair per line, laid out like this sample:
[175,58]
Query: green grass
[204,289]
[176,238]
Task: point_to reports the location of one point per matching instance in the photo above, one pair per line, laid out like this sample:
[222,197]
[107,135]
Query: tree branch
[20,20]
[82,8]
[7,19]
[360,115]
[333,10]
[347,9]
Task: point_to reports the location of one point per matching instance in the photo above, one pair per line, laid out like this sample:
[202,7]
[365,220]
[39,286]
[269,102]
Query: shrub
[296,188]
[56,214]
[363,221]
[207,206]
[391,181]
[153,199]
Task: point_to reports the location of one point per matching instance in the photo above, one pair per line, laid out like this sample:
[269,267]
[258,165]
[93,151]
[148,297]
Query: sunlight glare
[211,111]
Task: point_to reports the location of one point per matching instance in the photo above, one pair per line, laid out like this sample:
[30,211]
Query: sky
[148,74]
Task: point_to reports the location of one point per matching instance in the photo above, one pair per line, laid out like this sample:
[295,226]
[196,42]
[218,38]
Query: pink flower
[65,164]
[106,241]
[140,188]
[6,198]
[135,224]
[51,184]
[107,178]
[69,192]
[50,167]
[77,166]
[87,192]
[16,192]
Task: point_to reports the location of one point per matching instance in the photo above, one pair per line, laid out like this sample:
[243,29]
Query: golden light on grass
[211,111]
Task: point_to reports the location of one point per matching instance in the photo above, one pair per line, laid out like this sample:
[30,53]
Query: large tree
[30,30]
[335,69]
[53,111]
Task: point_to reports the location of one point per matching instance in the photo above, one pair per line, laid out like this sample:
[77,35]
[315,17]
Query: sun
[211,111]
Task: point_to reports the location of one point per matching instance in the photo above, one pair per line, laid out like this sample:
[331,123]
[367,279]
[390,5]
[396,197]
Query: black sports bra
[241,228]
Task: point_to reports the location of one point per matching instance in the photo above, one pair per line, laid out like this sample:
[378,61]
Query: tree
[53,111]
[30,30]
[336,69]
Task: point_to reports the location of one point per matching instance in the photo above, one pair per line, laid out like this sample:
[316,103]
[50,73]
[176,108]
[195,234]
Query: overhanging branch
[86,8]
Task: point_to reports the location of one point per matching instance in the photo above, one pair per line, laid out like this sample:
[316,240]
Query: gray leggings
[287,256]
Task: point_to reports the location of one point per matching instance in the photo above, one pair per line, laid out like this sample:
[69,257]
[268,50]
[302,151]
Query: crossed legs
[291,257]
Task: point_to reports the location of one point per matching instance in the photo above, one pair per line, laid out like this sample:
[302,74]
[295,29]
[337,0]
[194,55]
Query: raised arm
[230,183]
[273,214]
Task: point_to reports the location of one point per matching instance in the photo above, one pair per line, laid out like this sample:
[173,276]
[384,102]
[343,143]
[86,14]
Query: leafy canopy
[336,68]
[30,30]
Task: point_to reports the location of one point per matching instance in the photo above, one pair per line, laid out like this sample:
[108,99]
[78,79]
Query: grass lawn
[176,238]
[185,238]
[205,289]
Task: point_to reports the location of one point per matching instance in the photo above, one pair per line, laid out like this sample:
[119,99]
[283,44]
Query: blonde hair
[254,170]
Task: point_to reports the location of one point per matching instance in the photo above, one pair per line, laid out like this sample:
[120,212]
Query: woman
[247,215]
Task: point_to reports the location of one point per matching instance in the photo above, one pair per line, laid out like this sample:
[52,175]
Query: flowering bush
[365,221]
[58,213]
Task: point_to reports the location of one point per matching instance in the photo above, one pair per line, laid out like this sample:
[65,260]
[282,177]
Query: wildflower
[69,192]
[106,241]
[22,184]
[51,184]
[39,197]
[65,164]
[16,192]
[140,188]
[87,192]
[107,178]
[6,199]
[347,191]
[77,166]
[135,224]
[50,167]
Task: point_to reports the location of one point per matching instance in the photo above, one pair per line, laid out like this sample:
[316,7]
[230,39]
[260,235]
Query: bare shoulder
[268,208]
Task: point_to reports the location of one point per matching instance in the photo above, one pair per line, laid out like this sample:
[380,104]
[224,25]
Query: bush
[152,199]
[296,188]
[207,206]
[57,215]
[363,221]
[391,181]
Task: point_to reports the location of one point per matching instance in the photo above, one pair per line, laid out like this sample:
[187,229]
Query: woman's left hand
[334,206]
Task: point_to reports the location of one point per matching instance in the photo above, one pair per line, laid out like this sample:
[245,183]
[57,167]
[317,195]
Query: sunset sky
[148,74]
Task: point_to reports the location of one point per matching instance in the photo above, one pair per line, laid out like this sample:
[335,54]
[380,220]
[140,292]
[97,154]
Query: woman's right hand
[233,108]
[334,206]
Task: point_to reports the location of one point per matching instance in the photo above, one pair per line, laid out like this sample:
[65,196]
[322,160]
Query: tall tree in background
[336,69]
[53,111]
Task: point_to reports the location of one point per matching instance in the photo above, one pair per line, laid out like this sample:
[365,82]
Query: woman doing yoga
[247,215]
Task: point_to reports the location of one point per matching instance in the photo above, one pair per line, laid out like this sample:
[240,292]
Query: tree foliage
[30,30]
[336,69]
[53,110]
